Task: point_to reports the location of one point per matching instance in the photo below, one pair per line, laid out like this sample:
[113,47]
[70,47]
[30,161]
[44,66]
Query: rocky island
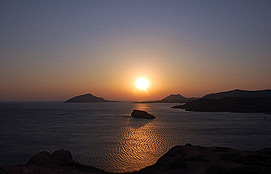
[186,159]
[173,98]
[86,98]
[142,114]
[239,101]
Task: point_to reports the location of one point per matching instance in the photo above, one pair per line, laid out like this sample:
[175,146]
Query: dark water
[105,136]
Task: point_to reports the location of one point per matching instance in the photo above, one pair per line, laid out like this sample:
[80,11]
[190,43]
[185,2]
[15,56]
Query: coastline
[179,159]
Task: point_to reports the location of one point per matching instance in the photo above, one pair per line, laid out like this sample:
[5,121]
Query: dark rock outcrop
[43,158]
[171,99]
[86,98]
[58,162]
[47,159]
[142,114]
[191,159]
[187,159]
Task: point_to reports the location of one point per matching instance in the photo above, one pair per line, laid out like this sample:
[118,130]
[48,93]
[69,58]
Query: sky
[54,50]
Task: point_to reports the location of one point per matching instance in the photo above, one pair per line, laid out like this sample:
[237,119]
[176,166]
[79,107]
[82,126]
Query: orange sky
[61,51]
[112,74]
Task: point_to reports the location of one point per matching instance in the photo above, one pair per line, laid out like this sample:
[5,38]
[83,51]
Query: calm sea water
[105,136]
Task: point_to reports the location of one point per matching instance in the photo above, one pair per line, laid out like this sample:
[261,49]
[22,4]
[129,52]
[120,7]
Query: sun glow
[142,83]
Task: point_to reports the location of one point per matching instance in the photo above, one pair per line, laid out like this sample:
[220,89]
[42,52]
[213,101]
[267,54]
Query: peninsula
[239,101]
[173,98]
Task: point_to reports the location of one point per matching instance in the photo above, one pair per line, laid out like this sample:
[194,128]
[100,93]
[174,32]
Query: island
[142,114]
[239,101]
[173,98]
[87,98]
[187,159]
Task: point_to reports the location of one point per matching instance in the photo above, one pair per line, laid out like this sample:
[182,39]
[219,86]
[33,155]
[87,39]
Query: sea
[105,136]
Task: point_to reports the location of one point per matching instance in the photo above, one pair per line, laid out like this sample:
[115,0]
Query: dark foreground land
[186,159]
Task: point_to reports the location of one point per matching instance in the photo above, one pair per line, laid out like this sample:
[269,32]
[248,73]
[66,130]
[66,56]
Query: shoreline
[179,159]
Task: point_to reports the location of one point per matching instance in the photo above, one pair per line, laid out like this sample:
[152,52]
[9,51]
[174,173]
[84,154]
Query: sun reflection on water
[142,106]
[138,146]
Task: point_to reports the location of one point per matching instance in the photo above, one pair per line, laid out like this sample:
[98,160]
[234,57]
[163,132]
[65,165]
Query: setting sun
[142,83]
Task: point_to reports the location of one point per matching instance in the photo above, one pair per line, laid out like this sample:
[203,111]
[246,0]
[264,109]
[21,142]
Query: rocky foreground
[186,159]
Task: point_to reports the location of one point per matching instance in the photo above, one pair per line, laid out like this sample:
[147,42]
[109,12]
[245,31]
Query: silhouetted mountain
[239,93]
[86,98]
[171,99]
[230,104]
[232,101]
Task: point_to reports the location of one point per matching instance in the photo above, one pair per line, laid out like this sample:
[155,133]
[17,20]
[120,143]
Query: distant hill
[230,104]
[171,99]
[239,93]
[86,98]
[232,101]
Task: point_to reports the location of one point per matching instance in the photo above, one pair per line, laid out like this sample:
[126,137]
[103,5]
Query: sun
[142,83]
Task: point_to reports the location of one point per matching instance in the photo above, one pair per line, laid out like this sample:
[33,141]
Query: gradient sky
[53,50]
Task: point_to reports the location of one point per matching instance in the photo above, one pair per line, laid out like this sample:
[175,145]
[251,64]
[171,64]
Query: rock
[19,169]
[58,162]
[47,159]
[62,156]
[142,114]
[266,151]
[187,159]
[43,158]
[192,159]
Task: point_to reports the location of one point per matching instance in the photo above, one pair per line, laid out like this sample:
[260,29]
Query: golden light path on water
[137,149]
[140,144]
[104,135]
[125,144]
